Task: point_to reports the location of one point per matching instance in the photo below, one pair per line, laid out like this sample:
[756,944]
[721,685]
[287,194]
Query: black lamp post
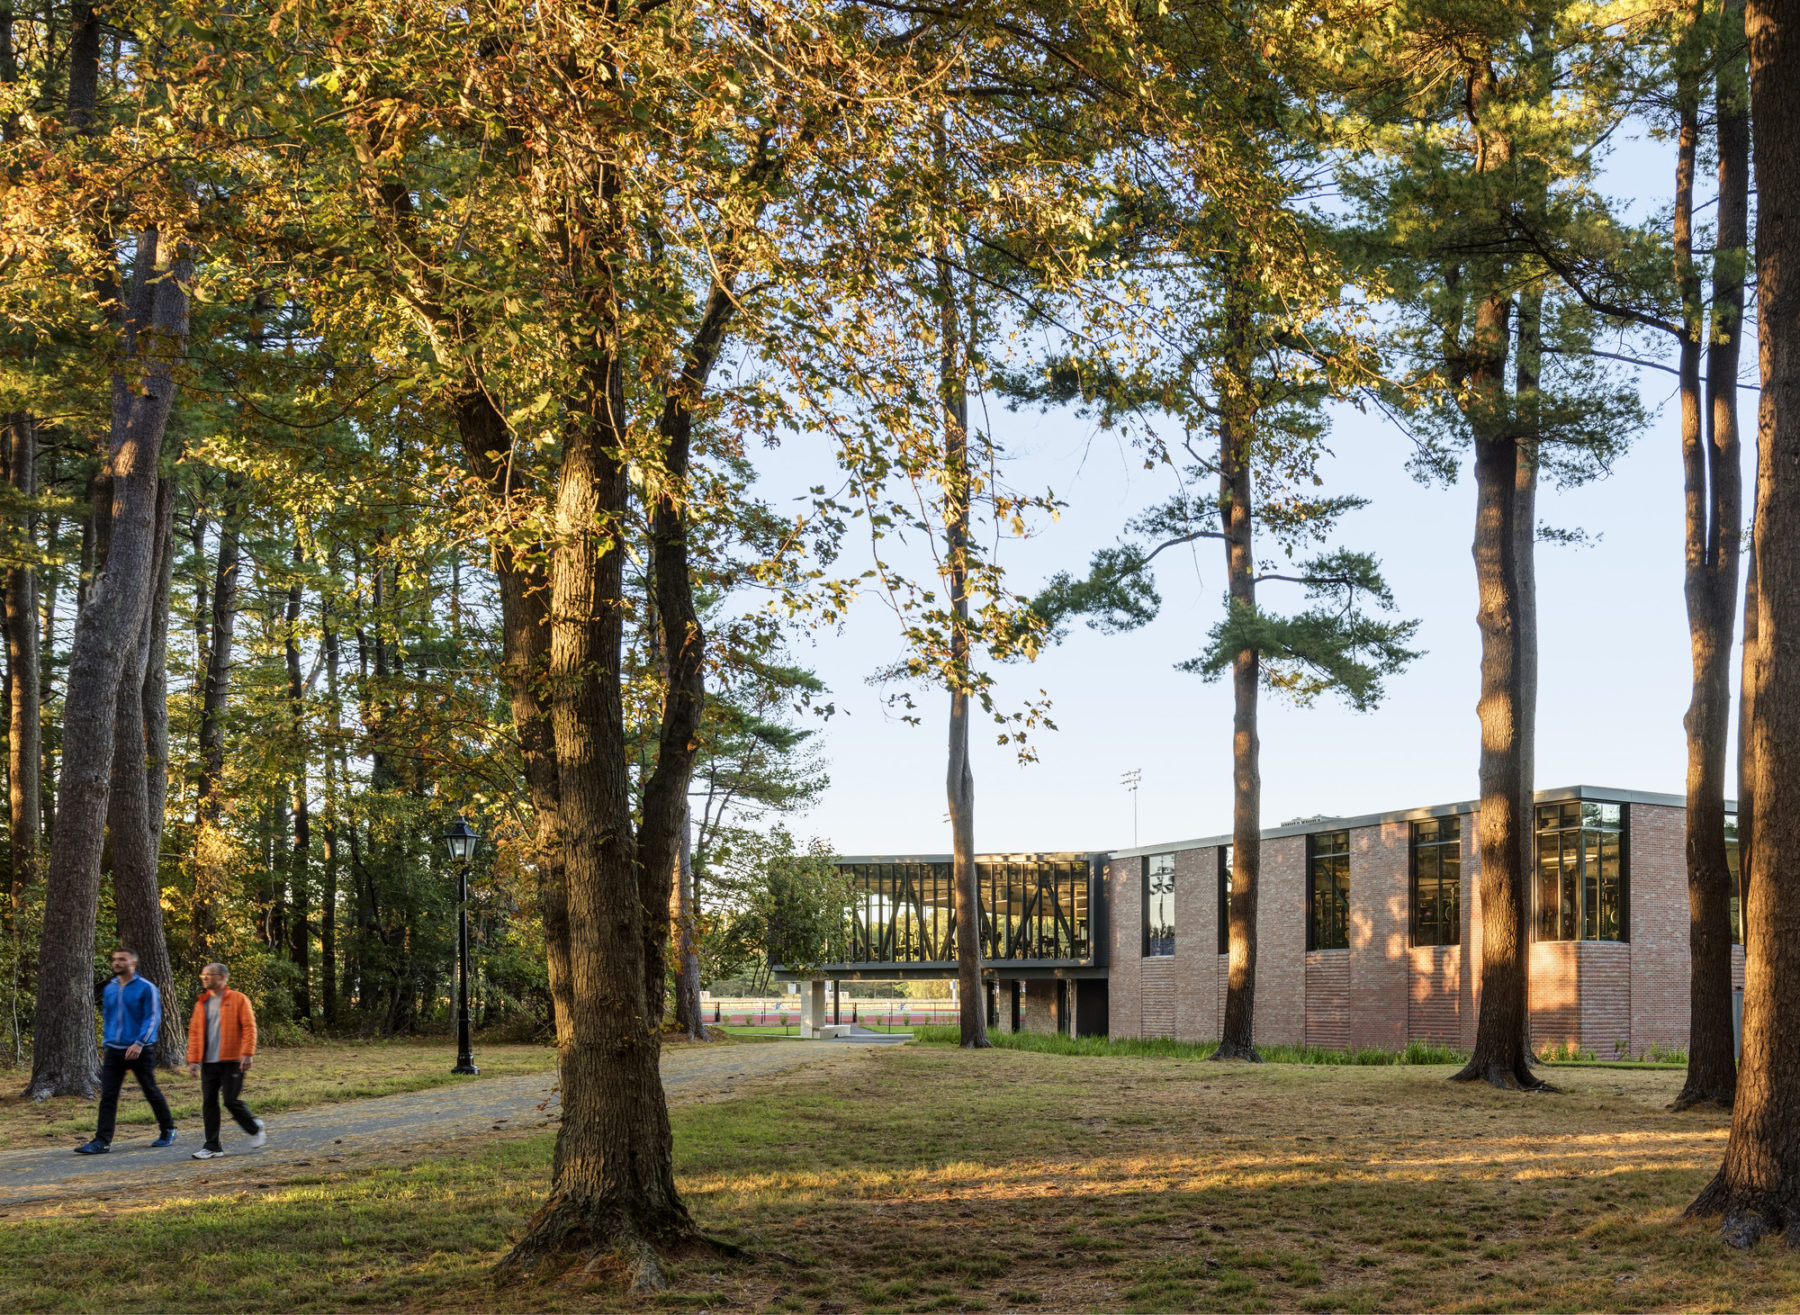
[462,842]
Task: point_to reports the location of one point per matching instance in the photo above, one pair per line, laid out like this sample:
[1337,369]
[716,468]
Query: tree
[1710,468]
[1757,1188]
[1476,169]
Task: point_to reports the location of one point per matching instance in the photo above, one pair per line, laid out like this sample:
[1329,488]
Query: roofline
[1308,826]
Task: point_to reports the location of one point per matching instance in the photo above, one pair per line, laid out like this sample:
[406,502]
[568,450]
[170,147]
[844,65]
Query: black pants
[225,1076]
[113,1068]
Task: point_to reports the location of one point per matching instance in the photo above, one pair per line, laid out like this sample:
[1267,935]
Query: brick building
[1368,930]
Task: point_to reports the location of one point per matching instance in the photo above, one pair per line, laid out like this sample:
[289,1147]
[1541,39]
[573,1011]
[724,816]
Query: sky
[1613,680]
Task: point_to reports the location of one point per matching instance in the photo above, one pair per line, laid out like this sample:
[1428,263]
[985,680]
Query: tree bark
[24,748]
[1502,1054]
[612,1194]
[1757,1188]
[328,979]
[1714,497]
[1237,491]
[300,856]
[960,773]
[63,1059]
[687,956]
[134,810]
[209,840]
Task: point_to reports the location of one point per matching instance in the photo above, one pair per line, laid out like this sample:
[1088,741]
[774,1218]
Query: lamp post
[462,842]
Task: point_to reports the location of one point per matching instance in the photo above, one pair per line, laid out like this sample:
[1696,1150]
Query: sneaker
[204,1154]
[95,1147]
[260,1136]
[167,1138]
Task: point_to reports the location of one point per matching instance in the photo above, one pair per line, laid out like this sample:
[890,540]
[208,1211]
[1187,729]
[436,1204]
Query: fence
[784,1012]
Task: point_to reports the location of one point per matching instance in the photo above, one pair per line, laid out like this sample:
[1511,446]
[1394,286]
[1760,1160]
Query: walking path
[328,1134]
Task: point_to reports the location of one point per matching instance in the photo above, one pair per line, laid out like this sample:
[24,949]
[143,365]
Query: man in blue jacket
[133,1012]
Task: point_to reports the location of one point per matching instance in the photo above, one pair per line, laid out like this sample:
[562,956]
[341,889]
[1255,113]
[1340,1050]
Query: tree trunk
[139,775]
[959,779]
[612,1195]
[63,1060]
[328,978]
[687,957]
[1757,1188]
[47,691]
[1502,1054]
[1237,490]
[1714,499]
[300,857]
[24,749]
[209,840]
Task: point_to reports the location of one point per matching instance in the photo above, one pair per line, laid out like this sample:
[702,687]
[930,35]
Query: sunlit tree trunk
[209,840]
[1237,493]
[1757,1188]
[63,1060]
[1714,497]
[139,786]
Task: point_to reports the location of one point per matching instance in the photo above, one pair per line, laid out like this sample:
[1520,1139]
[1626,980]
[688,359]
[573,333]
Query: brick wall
[1435,991]
[1555,995]
[1156,1015]
[1328,998]
[1197,1016]
[1038,1009]
[1606,998]
[1281,943]
[1658,926]
[1125,944]
[1380,915]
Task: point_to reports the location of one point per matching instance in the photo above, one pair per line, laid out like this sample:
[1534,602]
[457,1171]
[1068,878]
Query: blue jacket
[133,1013]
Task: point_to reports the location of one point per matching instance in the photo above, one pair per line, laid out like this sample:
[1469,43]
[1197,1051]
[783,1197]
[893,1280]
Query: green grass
[1056,1043]
[923,1178]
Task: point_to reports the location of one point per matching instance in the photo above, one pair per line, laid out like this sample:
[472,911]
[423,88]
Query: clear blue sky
[1613,682]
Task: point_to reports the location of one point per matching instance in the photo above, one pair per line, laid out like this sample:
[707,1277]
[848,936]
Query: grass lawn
[281,1079]
[924,1178]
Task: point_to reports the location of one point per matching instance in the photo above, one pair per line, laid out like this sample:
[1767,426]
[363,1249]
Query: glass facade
[1032,907]
[1159,906]
[1581,891]
[1437,881]
[1224,899]
[1328,891]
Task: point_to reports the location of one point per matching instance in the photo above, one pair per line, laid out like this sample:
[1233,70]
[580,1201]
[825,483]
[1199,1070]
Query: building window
[1437,881]
[1159,906]
[1328,891]
[1737,878]
[1582,891]
[1224,899]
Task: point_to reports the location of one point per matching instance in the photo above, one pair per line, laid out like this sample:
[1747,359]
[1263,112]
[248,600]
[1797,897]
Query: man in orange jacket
[221,1043]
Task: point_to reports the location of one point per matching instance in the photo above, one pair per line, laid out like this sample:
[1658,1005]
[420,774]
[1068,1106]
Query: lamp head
[461,839]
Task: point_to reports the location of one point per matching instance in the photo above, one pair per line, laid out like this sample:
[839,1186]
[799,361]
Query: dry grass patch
[922,1179]
[288,1078]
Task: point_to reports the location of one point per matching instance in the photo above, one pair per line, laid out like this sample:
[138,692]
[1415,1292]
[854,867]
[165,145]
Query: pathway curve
[326,1134]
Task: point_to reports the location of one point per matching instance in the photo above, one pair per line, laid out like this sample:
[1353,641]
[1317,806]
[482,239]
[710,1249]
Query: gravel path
[326,1134]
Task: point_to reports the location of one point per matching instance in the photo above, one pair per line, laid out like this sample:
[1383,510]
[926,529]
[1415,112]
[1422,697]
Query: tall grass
[1055,1043]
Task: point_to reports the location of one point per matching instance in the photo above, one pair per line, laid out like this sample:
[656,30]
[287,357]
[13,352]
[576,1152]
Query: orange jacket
[237,1028]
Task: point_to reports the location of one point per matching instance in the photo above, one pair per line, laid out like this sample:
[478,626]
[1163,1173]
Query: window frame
[1224,852]
[1339,926]
[1437,846]
[1579,865]
[1158,947]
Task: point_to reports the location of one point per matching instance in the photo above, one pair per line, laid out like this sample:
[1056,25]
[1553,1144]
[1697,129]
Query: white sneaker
[204,1154]
[260,1136]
